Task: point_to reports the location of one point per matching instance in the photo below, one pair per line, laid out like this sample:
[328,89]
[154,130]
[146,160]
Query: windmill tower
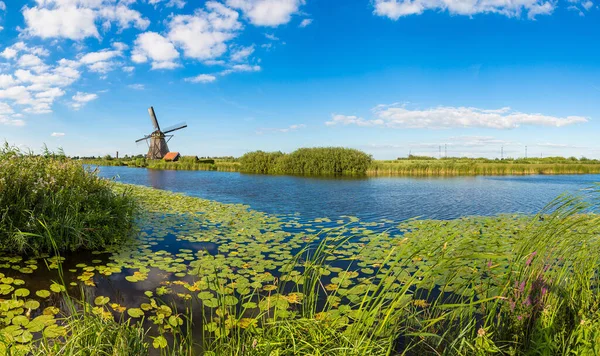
[157,140]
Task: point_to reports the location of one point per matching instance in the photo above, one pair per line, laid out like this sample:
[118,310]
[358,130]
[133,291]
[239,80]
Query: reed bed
[307,161]
[79,209]
[473,168]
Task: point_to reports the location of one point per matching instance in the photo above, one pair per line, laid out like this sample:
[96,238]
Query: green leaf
[135,312]
[159,342]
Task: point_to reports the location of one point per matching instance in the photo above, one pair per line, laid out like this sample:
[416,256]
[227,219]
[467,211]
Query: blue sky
[386,76]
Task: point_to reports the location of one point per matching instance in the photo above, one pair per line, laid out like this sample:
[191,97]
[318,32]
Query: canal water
[369,198]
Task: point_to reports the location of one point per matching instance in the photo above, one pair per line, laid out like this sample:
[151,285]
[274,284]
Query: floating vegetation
[233,279]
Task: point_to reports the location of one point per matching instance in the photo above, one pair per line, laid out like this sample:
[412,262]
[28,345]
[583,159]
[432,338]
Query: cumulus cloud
[267,12]
[394,116]
[394,9]
[204,35]
[153,46]
[81,98]
[202,78]
[57,134]
[47,18]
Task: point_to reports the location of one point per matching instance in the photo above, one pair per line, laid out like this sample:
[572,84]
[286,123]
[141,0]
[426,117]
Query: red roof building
[171,156]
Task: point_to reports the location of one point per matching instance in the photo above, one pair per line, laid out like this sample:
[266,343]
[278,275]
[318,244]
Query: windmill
[157,140]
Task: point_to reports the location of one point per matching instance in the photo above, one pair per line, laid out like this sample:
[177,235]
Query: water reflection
[372,199]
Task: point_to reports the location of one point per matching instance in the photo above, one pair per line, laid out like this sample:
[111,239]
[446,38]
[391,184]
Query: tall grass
[470,167]
[312,161]
[80,209]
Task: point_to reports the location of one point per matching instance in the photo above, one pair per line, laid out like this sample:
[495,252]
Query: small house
[172,157]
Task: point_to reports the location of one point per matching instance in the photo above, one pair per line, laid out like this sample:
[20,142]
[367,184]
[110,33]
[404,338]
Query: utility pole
[445,150]
[440,153]
[502,152]
[525,152]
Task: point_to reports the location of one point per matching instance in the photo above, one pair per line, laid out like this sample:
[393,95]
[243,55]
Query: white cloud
[81,98]
[394,9]
[153,46]
[2,6]
[13,50]
[290,128]
[128,69]
[57,134]
[305,23]
[588,5]
[171,3]
[137,86]
[241,68]
[271,37]
[48,23]
[49,18]
[393,116]
[204,34]
[242,53]
[124,17]
[202,78]
[100,56]
[267,12]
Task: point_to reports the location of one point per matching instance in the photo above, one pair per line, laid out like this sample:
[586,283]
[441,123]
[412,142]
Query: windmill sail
[153,118]
[179,126]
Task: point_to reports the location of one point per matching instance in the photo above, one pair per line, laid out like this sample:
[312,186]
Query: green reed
[80,209]
[309,161]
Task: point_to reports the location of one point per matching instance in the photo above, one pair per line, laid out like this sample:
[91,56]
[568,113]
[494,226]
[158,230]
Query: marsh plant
[310,161]
[79,209]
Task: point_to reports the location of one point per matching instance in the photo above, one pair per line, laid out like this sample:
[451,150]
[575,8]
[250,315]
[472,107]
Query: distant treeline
[310,161]
[529,160]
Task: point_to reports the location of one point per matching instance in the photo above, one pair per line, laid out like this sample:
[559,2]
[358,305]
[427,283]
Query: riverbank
[400,167]
[223,278]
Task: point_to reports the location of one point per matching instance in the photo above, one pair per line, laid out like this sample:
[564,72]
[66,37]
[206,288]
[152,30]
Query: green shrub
[43,196]
[317,161]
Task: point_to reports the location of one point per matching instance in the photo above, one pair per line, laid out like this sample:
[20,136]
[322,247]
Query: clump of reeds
[310,161]
[79,209]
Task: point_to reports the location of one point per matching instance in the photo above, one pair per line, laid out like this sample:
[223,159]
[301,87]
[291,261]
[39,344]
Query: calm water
[395,198]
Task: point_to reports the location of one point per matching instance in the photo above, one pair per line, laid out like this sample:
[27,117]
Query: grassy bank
[49,195]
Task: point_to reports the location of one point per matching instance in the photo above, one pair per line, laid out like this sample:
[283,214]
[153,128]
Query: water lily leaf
[20,320]
[21,292]
[32,304]
[57,288]
[42,293]
[54,331]
[135,312]
[101,300]
[159,342]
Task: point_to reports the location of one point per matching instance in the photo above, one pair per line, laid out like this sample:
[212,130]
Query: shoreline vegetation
[342,161]
[506,285]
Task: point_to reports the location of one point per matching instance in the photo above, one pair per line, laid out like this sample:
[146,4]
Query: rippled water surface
[394,198]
